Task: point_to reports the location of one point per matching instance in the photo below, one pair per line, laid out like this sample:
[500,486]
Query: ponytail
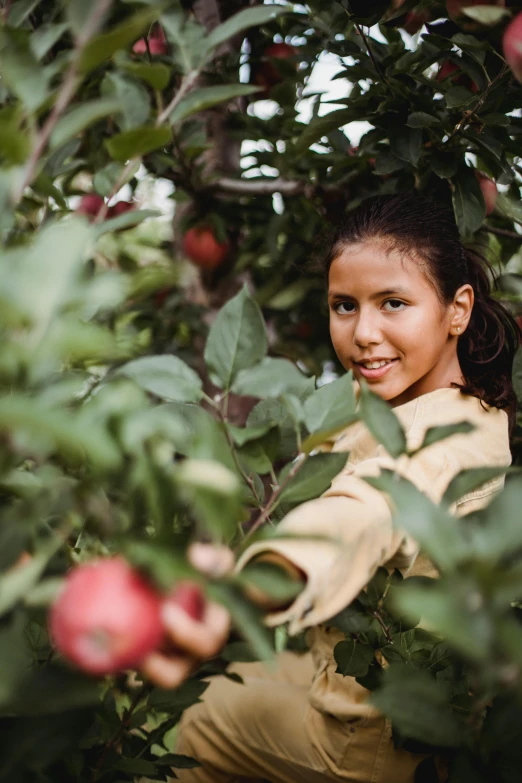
[487,348]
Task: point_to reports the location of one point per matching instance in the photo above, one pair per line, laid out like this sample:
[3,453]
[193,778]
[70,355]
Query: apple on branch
[202,247]
[108,617]
[266,73]
[512,45]
[157,43]
[489,191]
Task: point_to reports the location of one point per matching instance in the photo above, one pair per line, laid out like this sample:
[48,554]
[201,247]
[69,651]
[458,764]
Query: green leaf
[382,422]
[45,37]
[165,376]
[81,117]
[54,689]
[322,126]
[448,609]
[419,119]
[21,72]
[155,74]
[248,17]
[405,144]
[205,97]
[435,434]
[487,15]
[187,38]
[457,97]
[237,339]
[331,407]
[313,477]
[497,532]
[468,201]
[272,378]
[138,141]
[352,658]
[105,45]
[417,707]
[436,531]
[127,220]
[213,490]
[469,480]
[133,97]
[247,618]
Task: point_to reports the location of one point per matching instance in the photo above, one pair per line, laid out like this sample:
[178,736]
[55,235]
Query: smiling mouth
[373,373]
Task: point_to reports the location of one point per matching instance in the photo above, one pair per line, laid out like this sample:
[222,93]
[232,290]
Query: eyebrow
[386,292]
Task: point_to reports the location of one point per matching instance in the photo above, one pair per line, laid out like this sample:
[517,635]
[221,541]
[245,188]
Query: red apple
[459,78]
[188,596]
[266,74]
[414,21]
[512,45]
[157,43]
[90,205]
[489,191]
[107,618]
[120,208]
[203,249]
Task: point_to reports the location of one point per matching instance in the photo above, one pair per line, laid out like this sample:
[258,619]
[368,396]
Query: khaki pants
[266,730]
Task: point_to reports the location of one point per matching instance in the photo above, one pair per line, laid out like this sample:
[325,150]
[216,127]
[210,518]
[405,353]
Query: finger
[214,560]
[199,639]
[167,671]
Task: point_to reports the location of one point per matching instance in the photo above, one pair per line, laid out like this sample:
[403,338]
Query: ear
[462,306]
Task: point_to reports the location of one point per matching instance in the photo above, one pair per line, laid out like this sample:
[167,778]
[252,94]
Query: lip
[379,372]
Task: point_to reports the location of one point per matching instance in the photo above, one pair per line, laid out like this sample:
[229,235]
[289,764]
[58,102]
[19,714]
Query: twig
[65,94]
[118,734]
[274,497]
[470,112]
[385,629]
[503,232]
[259,187]
[187,83]
[371,54]
[249,481]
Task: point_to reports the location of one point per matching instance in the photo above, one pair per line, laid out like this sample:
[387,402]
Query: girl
[411,313]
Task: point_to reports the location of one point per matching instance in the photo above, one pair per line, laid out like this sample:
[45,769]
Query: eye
[343,308]
[395,305]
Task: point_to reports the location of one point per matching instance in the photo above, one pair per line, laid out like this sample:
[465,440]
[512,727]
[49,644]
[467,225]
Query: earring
[458,329]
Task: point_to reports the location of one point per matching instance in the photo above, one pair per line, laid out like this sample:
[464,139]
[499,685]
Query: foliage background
[136,412]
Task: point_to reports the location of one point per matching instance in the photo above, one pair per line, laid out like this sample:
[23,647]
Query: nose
[367,329]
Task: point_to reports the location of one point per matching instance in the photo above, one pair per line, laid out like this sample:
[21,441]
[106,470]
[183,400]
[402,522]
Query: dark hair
[416,225]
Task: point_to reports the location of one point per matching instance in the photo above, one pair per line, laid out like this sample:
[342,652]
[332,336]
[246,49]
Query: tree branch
[296,467]
[259,187]
[503,232]
[65,94]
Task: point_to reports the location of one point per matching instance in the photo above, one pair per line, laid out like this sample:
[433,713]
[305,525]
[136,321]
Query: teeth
[375,365]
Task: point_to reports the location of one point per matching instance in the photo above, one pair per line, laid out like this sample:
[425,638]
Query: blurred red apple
[449,69]
[157,43]
[90,205]
[120,208]
[512,45]
[107,618]
[188,596]
[489,191]
[266,74]
[203,249]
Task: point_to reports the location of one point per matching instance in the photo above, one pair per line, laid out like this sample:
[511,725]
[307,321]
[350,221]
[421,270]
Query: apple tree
[167,171]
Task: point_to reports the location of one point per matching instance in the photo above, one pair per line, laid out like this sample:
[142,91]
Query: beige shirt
[357,520]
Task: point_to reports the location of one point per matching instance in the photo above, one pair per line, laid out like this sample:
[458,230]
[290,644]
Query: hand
[193,640]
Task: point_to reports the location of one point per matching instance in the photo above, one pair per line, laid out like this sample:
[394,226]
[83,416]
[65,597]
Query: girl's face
[383,309]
